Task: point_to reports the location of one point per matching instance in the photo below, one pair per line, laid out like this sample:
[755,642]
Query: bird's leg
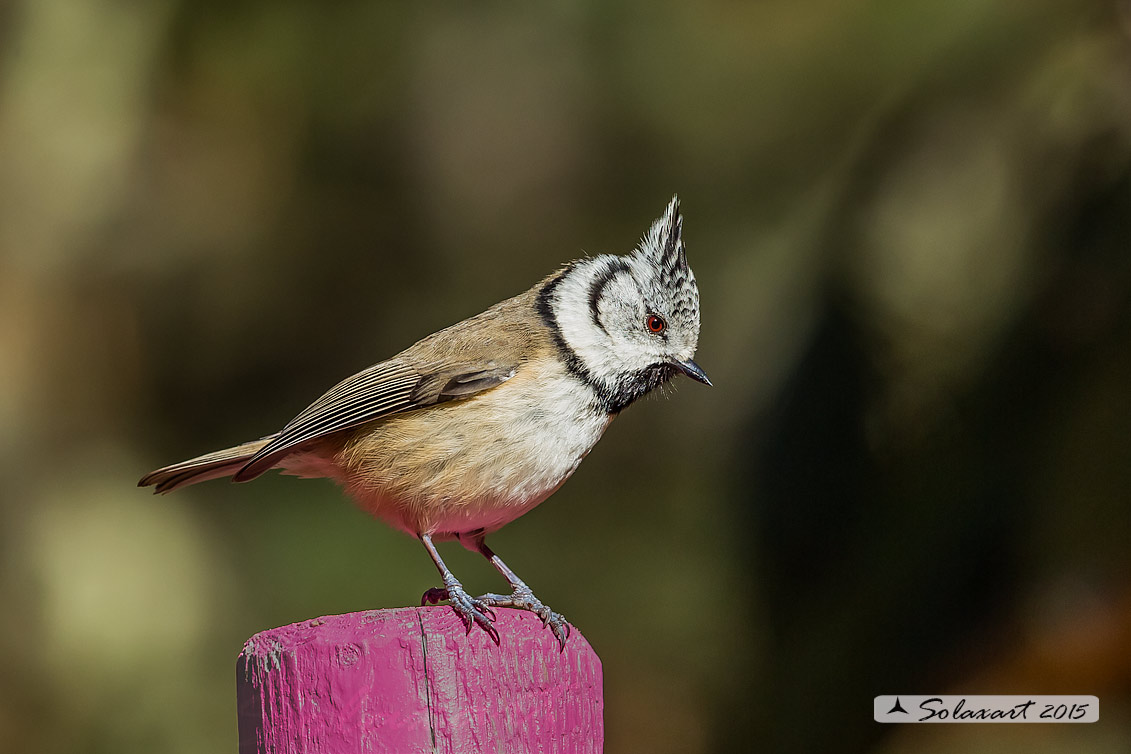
[522,596]
[469,609]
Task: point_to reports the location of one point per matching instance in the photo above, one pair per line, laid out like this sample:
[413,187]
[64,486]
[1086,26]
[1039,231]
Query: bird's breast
[477,463]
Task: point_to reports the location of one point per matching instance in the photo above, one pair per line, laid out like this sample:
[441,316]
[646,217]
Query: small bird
[476,424]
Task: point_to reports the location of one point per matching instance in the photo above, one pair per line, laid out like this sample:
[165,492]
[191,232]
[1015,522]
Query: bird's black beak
[692,370]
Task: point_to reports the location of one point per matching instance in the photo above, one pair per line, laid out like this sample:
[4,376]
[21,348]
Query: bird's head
[630,323]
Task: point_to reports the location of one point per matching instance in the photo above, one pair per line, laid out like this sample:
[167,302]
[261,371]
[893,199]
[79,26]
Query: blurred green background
[911,224]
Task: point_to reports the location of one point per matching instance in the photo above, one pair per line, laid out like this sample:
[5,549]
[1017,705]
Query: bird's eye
[655,324]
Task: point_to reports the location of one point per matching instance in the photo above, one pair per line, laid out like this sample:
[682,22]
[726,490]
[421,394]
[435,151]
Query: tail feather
[221,463]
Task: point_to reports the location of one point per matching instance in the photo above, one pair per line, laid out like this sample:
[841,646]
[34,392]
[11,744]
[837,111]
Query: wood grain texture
[410,680]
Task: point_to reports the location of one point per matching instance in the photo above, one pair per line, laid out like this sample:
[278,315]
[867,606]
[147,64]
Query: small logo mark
[897,707]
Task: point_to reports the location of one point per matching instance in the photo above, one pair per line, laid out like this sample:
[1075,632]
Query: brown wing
[383,389]
[455,363]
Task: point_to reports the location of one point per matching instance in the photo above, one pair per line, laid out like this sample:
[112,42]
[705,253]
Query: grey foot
[523,598]
[471,611]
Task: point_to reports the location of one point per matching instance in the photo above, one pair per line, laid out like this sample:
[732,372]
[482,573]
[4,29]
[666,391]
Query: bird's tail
[221,463]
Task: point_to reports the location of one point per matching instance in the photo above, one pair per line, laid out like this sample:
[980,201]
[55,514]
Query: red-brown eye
[655,324]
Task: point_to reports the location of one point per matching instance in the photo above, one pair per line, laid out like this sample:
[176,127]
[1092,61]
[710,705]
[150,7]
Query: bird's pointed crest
[662,250]
[663,245]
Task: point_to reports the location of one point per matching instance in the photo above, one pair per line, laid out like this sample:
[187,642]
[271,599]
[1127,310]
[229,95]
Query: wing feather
[371,393]
[383,389]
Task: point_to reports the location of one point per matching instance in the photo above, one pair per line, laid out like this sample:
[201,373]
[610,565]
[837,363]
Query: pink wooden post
[409,680]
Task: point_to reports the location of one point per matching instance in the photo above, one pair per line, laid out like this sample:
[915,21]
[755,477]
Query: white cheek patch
[605,355]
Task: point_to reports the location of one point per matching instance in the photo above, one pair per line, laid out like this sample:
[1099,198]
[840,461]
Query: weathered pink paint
[410,680]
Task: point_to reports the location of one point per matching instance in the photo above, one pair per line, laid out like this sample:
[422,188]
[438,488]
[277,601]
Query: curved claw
[472,611]
[492,632]
[523,599]
[561,631]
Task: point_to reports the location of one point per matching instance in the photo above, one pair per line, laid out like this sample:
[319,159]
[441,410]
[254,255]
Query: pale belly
[470,465]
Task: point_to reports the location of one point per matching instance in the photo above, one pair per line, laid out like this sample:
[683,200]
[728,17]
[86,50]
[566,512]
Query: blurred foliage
[910,221]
